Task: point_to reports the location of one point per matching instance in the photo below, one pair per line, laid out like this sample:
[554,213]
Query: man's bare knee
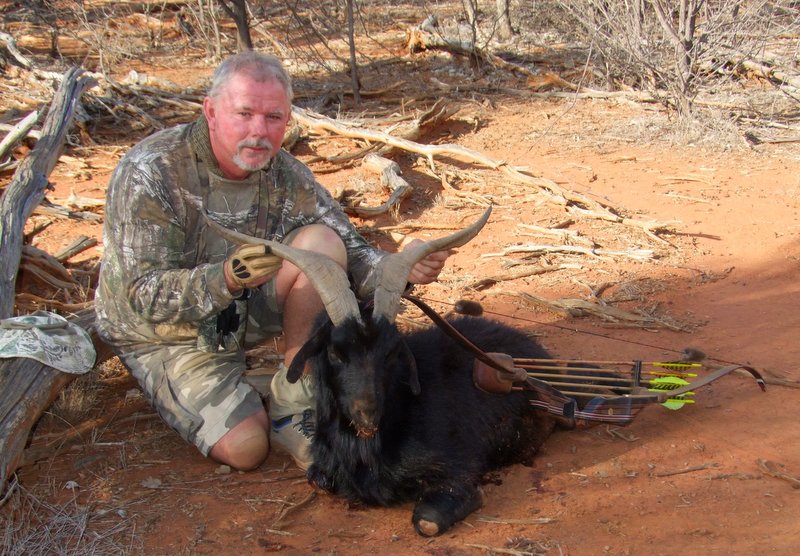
[244,447]
[321,239]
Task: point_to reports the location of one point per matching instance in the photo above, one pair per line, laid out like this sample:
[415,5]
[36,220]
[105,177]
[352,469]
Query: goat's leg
[439,510]
[317,477]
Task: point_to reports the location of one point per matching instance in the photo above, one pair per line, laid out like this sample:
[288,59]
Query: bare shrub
[679,48]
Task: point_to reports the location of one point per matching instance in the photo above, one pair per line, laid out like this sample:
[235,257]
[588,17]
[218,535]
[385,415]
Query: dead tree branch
[575,202]
[17,133]
[390,178]
[27,188]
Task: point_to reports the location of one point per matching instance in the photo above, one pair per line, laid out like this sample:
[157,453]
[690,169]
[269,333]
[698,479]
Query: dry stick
[582,307]
[519,272]
[635,254]
[44,276]
[690,469]
[28,300]
[389,171]
[49,209]
[279,521]
[79,245]
[771,468]
[531,521]
[11,46]
[572,236]
[436,114]
[317,123]
[17,133]
[47,263]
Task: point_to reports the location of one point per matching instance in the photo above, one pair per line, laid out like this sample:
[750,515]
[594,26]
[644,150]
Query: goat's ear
[314,345]
[413,374]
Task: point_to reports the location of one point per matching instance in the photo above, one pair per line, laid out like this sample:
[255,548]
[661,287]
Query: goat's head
[355,365]
[354,351]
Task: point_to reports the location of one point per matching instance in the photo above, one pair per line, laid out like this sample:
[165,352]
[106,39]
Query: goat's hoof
[319,479]
[427,528]
[438,511]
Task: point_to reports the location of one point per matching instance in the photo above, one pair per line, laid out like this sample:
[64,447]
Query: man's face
[246,123]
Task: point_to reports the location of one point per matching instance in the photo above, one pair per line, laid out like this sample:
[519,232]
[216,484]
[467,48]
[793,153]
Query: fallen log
[28,388]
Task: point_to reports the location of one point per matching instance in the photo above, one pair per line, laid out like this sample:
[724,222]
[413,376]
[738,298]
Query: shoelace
[307,426]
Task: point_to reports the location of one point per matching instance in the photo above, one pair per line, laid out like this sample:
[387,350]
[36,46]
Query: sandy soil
[686,481]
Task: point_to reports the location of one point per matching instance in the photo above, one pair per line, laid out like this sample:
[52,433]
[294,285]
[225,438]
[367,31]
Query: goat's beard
[365,431]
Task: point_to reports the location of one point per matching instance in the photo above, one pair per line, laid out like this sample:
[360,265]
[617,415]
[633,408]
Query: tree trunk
[27,188]
[237,10]
[504,30]
[351,37]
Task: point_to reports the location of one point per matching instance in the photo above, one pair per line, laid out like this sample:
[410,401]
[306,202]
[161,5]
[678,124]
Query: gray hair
[259,67]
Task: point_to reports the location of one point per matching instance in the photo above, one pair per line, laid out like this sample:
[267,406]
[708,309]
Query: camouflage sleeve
[161,280]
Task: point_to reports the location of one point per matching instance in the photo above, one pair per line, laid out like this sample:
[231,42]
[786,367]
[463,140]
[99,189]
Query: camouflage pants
[202,394]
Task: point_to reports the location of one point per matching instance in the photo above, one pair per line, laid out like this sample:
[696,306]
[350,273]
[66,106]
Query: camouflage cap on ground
[50,339]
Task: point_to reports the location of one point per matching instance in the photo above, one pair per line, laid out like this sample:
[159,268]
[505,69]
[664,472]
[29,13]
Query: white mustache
[255,143]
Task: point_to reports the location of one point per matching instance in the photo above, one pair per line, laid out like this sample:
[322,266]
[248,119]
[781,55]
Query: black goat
[398,417]
[382,438]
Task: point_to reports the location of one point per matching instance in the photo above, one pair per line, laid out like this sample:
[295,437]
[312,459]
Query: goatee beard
[253,143]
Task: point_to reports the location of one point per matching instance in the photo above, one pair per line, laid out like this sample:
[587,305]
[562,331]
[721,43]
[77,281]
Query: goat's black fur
[381,442]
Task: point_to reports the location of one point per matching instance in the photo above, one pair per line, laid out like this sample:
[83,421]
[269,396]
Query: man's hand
[250,266]
[427,270]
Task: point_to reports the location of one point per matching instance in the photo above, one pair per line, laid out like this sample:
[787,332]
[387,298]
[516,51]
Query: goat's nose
[364,410]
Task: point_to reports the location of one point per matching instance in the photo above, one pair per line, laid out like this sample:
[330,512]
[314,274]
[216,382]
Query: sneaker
[294,434]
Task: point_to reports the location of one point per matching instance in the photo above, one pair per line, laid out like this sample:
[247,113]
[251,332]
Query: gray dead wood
[46,268]
[17,133]
[28,388]
[11,46]
[47,208]
[389,171]
[28,186]
[79,245]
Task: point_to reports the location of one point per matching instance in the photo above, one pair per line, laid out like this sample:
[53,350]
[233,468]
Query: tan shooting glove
[250,264]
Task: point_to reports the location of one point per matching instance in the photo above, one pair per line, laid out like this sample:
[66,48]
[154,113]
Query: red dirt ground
[685,481]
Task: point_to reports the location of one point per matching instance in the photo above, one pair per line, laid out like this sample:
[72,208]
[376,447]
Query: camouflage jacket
[161,276]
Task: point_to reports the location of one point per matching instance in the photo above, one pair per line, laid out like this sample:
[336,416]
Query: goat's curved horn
[328,278]
[392,272]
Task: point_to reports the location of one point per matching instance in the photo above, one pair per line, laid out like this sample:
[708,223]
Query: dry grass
[30,525]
